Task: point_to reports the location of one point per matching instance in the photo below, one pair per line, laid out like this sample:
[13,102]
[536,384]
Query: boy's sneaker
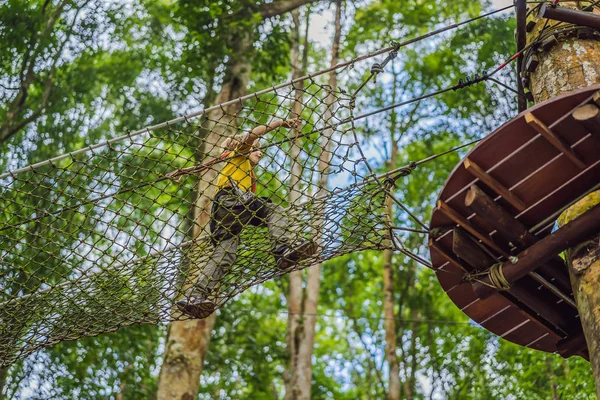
[196,307]
[289,256]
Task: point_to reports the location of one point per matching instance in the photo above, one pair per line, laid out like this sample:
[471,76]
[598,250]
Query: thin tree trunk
[302,319]
[388,278]
[295,321]
[313,283]
[3,376]
[295,334]
[552,378]
[188,340]
[573,64]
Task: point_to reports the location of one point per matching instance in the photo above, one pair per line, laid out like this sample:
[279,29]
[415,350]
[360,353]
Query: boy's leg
[278,225]
[196,303]
[227,220]
[222,258]
[288,248]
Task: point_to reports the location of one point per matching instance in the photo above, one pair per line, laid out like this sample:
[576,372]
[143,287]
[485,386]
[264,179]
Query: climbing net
[112,236]
[116,233]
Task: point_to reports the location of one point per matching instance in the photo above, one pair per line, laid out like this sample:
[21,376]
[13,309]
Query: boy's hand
[175,175]
[292,123]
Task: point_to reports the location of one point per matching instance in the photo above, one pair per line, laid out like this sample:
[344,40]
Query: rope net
[115,235]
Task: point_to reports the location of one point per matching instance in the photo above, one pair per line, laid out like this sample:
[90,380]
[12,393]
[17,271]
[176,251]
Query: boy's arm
[244,142]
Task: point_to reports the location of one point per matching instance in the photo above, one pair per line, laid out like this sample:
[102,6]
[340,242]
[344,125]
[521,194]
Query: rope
[495,274]
[497,277]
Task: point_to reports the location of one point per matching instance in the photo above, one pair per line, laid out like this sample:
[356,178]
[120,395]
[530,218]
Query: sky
[502,3]
[319,24]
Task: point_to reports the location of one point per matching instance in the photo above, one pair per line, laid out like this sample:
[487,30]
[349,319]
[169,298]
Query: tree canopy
[77,72]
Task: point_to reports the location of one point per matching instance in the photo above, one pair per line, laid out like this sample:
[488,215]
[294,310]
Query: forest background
[73,73]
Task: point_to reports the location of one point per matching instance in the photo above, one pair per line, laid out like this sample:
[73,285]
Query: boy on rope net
[236,206]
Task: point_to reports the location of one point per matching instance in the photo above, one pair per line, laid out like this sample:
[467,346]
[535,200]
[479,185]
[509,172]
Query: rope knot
[375,70]
[352,103]
[394,52]
[497,278]
[470,80]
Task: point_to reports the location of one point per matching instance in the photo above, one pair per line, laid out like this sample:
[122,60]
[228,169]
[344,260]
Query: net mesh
[110,237]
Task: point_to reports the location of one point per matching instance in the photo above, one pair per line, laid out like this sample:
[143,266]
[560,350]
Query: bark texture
[394,384]
[293,388]
[584,269]
[188,340]
[569,65]
[303,306]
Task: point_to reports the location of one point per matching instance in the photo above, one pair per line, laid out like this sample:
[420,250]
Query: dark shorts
[229,214]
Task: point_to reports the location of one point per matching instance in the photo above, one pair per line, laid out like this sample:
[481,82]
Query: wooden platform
[531,168]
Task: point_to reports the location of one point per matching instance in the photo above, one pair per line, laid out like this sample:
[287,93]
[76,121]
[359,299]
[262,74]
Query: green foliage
[133,63]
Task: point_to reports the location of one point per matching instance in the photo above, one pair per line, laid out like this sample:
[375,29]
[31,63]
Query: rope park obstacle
[108,236]
[494,240]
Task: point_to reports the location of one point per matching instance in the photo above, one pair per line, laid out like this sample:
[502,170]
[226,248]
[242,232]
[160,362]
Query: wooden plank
[514,231]
[572,345]
[545,309]
[498,217]
[464,223]
[544,179]
[467,249]
[486,308]
[527,333]
[446,256]
[462,295]
[588,116]
[551,137]
[559,192]
[505,320]
[493,183]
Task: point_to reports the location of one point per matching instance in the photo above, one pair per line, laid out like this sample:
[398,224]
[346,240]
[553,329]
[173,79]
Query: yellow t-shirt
[239,169]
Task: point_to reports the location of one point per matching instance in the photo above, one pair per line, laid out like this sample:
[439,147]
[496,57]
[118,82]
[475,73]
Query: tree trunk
[584,269]
[552,378]
[388,277]
[187,341]
[573,64]
[302,317]
[3,376]
[293,388]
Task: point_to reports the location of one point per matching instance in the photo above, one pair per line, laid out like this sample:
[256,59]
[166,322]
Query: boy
[235,206]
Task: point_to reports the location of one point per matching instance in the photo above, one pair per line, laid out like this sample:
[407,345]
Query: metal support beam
[568,15]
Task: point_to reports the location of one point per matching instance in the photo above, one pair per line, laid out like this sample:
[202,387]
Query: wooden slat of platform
[546,180]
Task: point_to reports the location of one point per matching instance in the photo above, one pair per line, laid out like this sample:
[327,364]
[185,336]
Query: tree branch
[281,7]
[18,106]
